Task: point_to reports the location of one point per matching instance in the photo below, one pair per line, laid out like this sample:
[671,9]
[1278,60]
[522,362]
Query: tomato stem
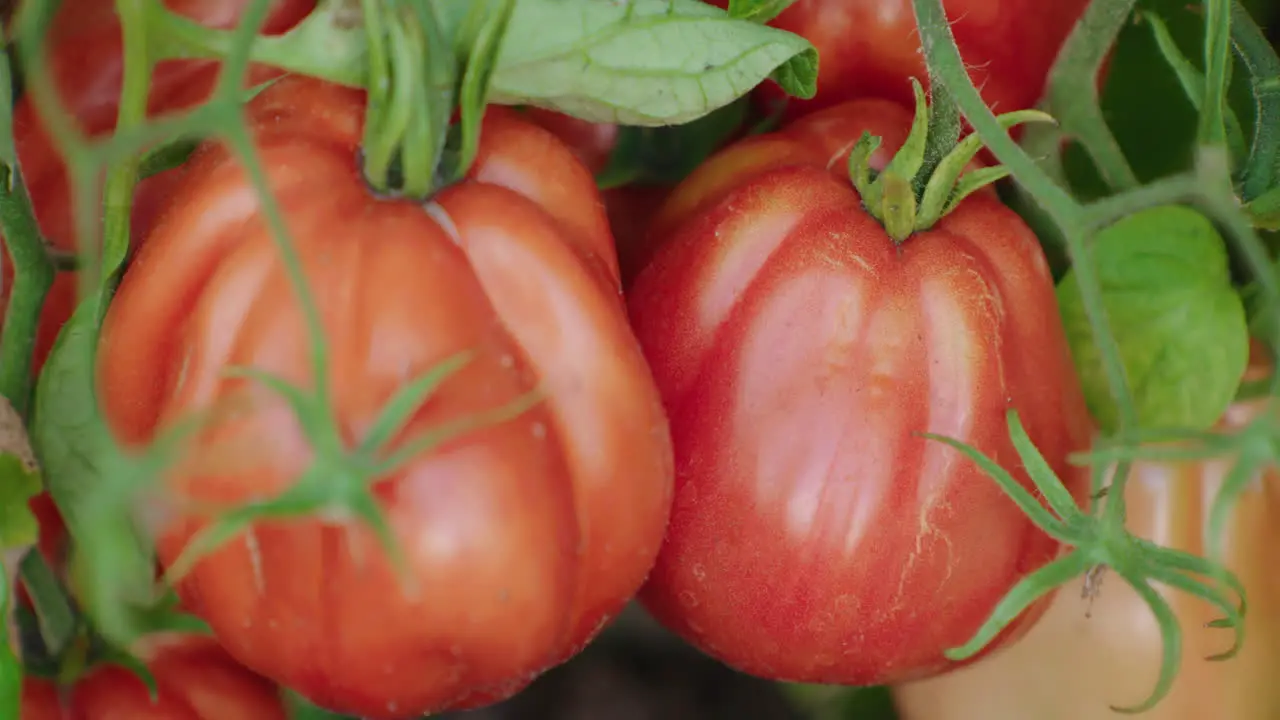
[10,653]
[330,43]
[1212,128]
[1072,90]
[1259,57]
[910,194]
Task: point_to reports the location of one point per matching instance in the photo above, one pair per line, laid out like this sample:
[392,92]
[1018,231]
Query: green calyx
[926,178]
[417,77]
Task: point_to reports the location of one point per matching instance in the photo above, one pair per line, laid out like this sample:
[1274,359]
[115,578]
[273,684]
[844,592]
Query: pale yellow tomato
[1078,661]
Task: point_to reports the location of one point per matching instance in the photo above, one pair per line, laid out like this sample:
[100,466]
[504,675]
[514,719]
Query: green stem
[1072,94]
[1263,65]
[330,43]
[53,609]
[944,61]
[32,276]
[10,663]
[122,177]
[1212,129]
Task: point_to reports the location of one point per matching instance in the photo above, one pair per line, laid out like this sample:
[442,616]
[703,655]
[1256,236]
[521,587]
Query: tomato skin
[86,62]
[814,536]
[630,207]
[196,679]
[1073,667]
[540,528]
[871,48]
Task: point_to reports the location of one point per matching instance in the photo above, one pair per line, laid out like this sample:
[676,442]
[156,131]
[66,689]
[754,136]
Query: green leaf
[10,665]
[1264,211]
[79,456]
[666,155]
[62,427]
[18,484]
[1179,322]
[761,11]
[167,157]
[613,61]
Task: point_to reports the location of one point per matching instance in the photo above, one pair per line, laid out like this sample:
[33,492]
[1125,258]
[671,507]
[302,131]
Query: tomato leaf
[611,61]
[74,446]
[761,11]
[18,484]
[1180,324]
[167,157]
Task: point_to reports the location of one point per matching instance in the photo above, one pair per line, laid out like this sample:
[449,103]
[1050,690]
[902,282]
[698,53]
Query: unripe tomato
[523,537]
[800,352]
[1083,657]
[196,680]
[871,48]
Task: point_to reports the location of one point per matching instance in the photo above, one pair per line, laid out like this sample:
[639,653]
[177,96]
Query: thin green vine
[1072,93]
[1259,58]
[1102,540]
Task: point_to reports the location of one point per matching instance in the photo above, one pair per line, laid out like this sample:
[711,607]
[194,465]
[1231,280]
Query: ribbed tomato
[524,537]
[630,208]
[871,48]
[83,55]
[196,680]
[815,536]
[1081,659]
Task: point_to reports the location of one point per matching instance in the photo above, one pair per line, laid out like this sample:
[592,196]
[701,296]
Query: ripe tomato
[197,680]
[525,537]
[1080,659]
[630,207]
[815,536]
[871,48]
[86,62]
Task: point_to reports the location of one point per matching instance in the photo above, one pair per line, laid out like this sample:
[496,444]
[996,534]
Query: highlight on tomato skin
[1086,656]
[630,207]
[196,679]
[524,537]
[84,57]
[815,537]
[871,48]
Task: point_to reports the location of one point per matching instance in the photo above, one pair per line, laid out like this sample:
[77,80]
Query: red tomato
[196,680]
[1083,658]
[826,136]
[815,536]
[525,537]
[872,48]
[629,208]
[86,62]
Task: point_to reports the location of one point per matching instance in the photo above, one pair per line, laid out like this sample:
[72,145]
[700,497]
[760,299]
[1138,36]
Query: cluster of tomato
[732,377]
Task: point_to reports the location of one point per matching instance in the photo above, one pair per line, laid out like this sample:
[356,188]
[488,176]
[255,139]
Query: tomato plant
[195,678]
[540,528]
[801,344]
[871,48]
[84,59]
[1088,655]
